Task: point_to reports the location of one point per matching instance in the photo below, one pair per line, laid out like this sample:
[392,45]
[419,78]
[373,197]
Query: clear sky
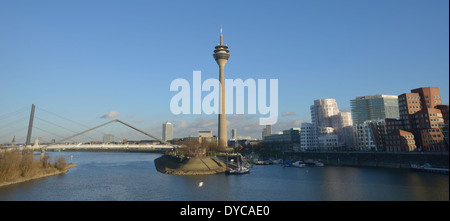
[84,59]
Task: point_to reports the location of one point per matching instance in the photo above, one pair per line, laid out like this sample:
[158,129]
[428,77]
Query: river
[103,176]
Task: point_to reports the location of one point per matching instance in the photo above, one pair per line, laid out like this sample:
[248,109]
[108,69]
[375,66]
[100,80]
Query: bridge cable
[51,133]
[64,128]
[59,141]
[10,114]
[7,134]
[13,122]
[63,117]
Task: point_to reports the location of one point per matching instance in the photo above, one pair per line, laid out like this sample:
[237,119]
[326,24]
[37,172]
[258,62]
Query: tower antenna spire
[221,36]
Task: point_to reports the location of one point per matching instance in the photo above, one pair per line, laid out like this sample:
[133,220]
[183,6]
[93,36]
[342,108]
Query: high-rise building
[233,134]
[370,135]
[323,110]
[108,138]
[325,114]
[374,107]
[419,126]
[308,137]
[367,114]
[167,131]
[221,56]
[267,131]
[344,129]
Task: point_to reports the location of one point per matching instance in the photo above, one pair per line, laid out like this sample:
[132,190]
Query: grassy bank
[189,166]
[18,166]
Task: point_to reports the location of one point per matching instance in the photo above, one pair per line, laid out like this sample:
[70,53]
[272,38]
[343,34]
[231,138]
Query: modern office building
[287,140]
[420,119]
[328,142]
[368,112]
[325,114]
[325,130]
[398,137]
[167,131]
[233,134]
[287,136]
[323,110]
[374,107]
[267,131]
[345,130]
[444,110]
[370,135]
[444,127]
[308,137]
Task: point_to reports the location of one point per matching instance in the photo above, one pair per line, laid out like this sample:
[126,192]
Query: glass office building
[375,107]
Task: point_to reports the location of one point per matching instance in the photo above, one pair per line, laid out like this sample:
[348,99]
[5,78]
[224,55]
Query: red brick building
[421,119]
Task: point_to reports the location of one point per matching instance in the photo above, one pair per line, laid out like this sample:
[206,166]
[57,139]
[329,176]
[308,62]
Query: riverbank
[42,173]
[372,159]
[189,166]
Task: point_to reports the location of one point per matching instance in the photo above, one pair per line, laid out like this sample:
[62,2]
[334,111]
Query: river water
[102,176]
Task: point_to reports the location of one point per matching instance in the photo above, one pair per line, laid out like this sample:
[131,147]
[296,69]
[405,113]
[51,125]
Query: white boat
[259,162]
[314,163]
[239,170]
[277,161]
[242,170]
[299,164]
[319,164]
[230,171]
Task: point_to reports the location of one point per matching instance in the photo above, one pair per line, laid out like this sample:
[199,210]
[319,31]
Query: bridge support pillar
[30,126]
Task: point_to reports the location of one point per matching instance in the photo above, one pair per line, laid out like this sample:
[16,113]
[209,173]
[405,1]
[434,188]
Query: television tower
[221,56]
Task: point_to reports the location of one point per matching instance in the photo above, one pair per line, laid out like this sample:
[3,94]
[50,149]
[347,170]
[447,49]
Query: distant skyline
[94,61]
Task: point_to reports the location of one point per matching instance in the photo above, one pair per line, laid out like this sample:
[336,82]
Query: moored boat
[299,164]
[314,163]
[319,164]
[428,168]
[239,170]
[230,171]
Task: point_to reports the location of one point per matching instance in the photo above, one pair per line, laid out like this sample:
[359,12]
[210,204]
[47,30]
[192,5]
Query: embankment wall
[371,159]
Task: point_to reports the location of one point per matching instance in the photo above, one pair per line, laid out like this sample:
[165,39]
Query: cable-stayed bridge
[54,136]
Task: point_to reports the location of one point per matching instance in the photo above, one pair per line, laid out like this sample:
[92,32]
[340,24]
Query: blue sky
[83,59]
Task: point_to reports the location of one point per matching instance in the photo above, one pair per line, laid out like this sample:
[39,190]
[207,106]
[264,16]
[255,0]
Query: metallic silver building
[325,114]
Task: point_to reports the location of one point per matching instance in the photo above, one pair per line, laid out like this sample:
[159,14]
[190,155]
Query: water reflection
[132,176]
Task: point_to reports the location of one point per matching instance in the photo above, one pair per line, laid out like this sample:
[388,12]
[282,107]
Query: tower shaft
[221,56]
[222,114]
